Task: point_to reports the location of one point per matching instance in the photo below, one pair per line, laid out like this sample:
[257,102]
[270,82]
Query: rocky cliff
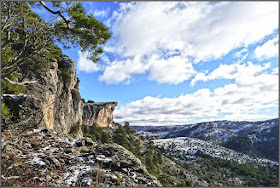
[53,101]
[33,152]
[99,112]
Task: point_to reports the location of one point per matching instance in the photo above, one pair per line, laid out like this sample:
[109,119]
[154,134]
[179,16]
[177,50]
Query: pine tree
[104,138]
[28,42]
[120,137]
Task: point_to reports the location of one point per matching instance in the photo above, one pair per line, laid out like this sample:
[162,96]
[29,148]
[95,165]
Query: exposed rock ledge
[53,102]
[99,112]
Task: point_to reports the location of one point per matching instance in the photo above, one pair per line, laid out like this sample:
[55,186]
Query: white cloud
[275,71]
[119,71]
[248,117]
[173,70]
[199,29]
[232,71]
[242,100]
[101,13]
[85,64]
[195,31]
[241,53]
[268,49]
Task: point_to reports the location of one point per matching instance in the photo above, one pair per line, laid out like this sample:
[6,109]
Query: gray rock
[99,112]
[50,102]
[52,159]
[89,142]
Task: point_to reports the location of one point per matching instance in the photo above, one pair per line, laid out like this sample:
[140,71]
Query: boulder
[88,142]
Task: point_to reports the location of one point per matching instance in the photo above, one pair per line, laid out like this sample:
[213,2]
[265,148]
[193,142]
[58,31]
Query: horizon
[201,122]
[184,62]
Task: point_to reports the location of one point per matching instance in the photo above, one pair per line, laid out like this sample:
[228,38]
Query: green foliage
[104,138]
[181,184]
[8,88]
[65,75]
[95,133]
[5,110]
[27,43]
[128,129]
[261,146]
[166,180]
[218,170]
[84,31]
[74,129]
[149,162]
[120,137]
[241,143]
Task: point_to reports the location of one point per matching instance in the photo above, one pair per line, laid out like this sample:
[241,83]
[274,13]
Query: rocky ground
[42,158]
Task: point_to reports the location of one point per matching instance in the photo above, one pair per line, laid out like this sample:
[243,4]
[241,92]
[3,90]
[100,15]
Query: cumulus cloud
[85,64]
[119,71]
[101,13]
[232,71]
[275,71]
[268,49]
[241,53]
[173,70]
[241,100]
[198,31]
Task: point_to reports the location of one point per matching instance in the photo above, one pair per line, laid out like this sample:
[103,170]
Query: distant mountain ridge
[259,138]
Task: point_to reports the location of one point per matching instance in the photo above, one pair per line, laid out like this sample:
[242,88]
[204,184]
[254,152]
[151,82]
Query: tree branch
[21,83]
[58,13]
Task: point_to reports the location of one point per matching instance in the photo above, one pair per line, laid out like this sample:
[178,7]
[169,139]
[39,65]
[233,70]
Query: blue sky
[184,62]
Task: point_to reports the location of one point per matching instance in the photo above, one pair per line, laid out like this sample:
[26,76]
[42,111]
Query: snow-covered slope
[261,137]
[186,148]
[215,131]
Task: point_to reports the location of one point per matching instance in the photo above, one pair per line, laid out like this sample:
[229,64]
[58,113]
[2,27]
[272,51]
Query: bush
[65,75]
[95,133]
[104,138]
[74,129]
[8,88]
[120,137]
[165,180]
[5,110]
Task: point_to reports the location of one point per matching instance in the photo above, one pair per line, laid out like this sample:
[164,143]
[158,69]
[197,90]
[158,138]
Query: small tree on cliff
[28,40]
[120,137]
[128,129]
[75,27]
[104,137]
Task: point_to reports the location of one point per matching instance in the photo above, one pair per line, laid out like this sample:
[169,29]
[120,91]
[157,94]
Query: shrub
[9,88]
[95,133]
[5,110]
[65,75]
[104,138]
[74,129]
[120,137]
[165,180]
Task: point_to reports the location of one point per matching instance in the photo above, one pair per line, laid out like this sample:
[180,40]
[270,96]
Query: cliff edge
[52,101]
[100,113]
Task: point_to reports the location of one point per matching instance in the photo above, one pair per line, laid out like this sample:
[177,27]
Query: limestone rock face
[99,112]
[68,106]
[53,101]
